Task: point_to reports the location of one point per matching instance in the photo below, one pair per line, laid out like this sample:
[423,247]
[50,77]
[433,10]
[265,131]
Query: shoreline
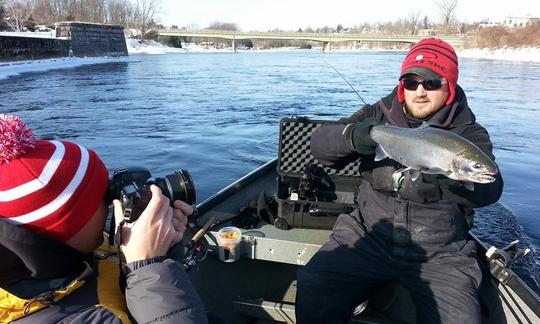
[16,68]
[524,55]
[509,54]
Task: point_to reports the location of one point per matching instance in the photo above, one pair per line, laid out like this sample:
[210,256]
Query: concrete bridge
[325,38]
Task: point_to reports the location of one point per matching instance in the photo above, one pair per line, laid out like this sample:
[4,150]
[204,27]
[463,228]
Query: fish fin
[414,174]
[468,185]
[380,154]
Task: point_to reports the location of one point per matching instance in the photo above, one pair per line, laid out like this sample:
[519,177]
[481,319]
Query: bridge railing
[208,32]
[325,38]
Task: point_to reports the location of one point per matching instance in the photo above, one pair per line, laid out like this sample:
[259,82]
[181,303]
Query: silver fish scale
[425,147]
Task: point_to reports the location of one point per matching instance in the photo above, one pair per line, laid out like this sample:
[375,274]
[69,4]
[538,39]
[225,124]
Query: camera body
[132,187]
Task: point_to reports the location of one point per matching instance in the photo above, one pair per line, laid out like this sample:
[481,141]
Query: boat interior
[258,284]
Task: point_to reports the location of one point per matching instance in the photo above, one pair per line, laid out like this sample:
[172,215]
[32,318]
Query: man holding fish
[425,165]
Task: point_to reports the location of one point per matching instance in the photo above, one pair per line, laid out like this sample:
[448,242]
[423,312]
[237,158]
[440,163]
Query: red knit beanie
[435,55]
[50,187]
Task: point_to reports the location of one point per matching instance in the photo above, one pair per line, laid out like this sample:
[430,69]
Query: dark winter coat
[45,281]
[421,218]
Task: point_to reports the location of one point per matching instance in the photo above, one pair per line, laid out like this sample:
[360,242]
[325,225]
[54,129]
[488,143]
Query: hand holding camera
[152,212]
[156,230]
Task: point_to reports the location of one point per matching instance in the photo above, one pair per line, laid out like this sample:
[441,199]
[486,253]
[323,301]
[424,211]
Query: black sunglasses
[433,84]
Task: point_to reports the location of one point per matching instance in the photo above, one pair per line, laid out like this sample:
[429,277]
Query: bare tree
[18,12]
[414,20]
[119,12]
[218,25]
[3,24]
[447,9]
[144,13]
[425,22]
[136,14]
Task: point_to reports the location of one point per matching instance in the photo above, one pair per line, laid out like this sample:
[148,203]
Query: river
[217,115]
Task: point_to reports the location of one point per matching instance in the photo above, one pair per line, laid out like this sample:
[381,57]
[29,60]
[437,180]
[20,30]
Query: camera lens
[178,186]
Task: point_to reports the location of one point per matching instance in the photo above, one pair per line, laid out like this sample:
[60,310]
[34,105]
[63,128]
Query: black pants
[352,266]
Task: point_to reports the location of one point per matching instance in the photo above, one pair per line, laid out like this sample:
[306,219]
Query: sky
[264,15]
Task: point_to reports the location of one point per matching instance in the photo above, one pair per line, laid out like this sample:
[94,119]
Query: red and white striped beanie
[49,187]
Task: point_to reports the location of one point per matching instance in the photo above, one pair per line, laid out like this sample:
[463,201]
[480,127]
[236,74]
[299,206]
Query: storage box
[308,194]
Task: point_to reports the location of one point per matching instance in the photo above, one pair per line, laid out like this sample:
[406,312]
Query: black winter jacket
[421,218]
[48,282]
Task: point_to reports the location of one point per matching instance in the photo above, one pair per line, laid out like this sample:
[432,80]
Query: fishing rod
[350,85]
[193,248]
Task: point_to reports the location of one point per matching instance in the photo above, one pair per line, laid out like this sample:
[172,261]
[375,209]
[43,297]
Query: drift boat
[260,285]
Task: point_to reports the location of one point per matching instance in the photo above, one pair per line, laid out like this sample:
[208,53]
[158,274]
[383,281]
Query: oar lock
[500,260]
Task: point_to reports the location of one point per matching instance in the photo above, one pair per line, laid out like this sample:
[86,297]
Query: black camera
[132,187]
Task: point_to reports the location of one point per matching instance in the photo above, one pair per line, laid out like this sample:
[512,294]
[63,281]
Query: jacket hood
[29,256]
[457,113]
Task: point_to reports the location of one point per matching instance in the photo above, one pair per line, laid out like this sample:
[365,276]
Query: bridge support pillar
[234,45]
[327,47]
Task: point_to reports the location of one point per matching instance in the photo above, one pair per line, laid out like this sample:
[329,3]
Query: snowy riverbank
[528,54]
[8,69]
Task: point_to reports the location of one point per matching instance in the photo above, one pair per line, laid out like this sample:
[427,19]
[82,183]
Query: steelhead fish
[433,150]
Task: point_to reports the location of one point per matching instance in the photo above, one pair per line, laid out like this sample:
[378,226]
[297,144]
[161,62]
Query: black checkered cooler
[335,197]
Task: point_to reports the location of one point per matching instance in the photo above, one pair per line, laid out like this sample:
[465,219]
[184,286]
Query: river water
[217,115]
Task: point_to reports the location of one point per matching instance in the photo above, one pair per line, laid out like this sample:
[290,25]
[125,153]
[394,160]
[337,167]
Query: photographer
[52,213]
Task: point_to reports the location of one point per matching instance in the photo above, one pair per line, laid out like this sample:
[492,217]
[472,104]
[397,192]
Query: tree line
[138,16]
[18,15]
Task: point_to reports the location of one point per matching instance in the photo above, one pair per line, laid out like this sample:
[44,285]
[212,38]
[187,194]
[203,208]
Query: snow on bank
[135,46]
[8,69]
[49,34]
[526,54]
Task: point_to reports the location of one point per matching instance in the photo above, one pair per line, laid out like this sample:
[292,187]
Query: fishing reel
[193,248]
[500,260]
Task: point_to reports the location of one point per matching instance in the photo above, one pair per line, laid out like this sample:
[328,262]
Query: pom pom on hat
[434,55]
[15,138]
[52,188]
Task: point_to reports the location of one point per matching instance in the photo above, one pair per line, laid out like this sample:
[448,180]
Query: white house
[518,22]
[510,22]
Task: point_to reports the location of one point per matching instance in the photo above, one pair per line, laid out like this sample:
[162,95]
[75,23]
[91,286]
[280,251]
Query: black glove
[361,140]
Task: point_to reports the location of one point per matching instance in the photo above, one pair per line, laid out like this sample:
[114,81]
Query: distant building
[518,22]
[510,22]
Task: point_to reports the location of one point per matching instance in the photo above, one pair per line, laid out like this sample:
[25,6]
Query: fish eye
[477,166]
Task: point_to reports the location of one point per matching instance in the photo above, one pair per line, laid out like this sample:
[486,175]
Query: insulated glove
[361,140]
